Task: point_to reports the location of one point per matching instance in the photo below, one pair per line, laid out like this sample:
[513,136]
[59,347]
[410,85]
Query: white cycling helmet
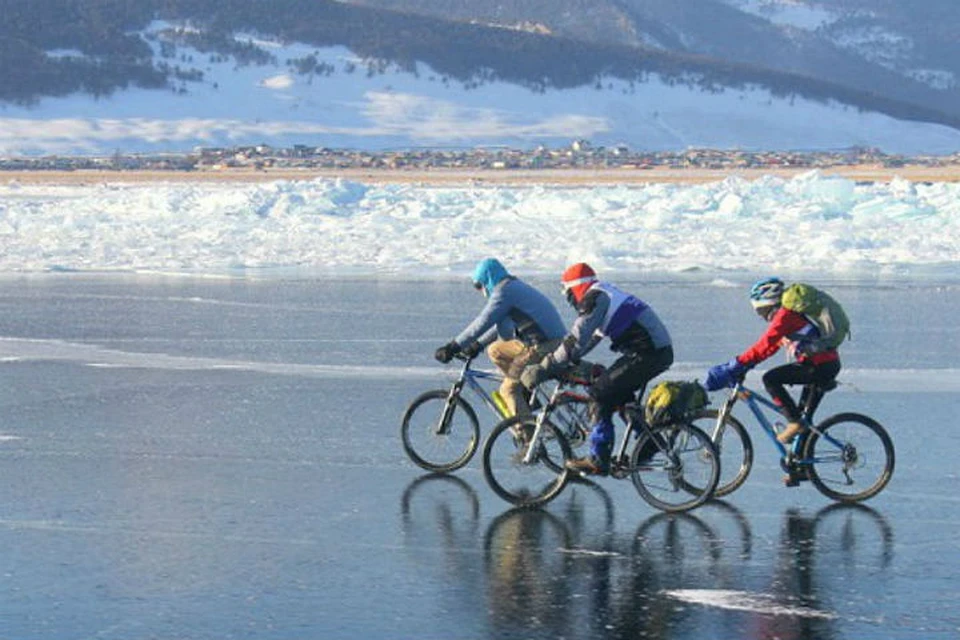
[766,292]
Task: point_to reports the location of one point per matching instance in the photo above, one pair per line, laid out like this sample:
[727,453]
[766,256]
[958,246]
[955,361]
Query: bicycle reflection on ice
[568,572]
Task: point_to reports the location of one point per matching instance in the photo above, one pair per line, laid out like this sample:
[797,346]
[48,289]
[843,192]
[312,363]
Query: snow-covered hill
[863,33]
[904,51]
[361,105]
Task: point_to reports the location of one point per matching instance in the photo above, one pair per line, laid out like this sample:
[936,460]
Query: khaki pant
[511,356]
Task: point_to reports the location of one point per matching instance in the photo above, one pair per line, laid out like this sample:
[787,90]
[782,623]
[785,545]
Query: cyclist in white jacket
[634,330]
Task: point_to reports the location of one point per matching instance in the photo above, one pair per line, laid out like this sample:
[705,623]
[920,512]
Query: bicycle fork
[718,429]
[530,456]
[443,426]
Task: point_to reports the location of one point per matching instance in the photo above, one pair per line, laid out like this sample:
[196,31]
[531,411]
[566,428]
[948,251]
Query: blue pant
[601,440]
[619,384]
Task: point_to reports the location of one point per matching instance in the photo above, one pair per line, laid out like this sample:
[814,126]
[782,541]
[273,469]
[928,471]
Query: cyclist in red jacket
[798,333]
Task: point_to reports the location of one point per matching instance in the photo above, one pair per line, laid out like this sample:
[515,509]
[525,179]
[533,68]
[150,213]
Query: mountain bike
[848,457]
[673,465]
[440,430]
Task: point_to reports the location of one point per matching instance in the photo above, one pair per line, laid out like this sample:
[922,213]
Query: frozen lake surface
[210,458]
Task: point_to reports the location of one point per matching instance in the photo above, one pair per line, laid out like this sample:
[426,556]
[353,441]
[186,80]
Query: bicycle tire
[440,453]
[682,472]
[520,483]
[734,447]
[862,440]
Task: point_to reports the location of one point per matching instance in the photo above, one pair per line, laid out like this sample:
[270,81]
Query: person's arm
[783,323]
[484,325]
[584,333]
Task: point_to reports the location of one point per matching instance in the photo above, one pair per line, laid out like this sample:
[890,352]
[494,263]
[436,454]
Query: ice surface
[219,458]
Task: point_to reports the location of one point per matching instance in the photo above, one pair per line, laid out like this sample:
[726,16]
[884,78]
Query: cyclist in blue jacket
[518,324]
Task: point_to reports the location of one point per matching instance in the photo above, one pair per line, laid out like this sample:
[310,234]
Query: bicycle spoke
[521,472]
[733,446]
[433,445]
[677,470]
[849,457]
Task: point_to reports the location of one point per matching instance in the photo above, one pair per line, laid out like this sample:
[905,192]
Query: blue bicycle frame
[471,378]
[758,403]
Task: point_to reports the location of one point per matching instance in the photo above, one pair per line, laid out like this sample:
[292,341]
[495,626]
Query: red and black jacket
[790,328]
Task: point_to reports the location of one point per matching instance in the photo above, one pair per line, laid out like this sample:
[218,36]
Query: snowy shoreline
[450,177]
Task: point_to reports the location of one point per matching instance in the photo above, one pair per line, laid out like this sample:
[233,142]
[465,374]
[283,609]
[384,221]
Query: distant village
[580,154]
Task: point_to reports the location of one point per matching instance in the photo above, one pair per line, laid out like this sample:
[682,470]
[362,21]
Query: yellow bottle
[501,404]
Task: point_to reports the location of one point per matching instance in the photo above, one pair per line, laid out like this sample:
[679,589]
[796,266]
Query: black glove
[446,352]
[472,350]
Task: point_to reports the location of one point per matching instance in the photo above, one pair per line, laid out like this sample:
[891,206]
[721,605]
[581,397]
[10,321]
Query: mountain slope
[902,51]
[331,74]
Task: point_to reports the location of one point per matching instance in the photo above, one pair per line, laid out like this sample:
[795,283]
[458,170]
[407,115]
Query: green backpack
[672,400]
[822,310]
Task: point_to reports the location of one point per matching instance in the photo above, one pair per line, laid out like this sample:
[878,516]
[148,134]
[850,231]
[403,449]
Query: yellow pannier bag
[673,400]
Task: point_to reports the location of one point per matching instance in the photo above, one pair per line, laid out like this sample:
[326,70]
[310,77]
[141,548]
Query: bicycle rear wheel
[849,457]
[510,474]
[675,468]
[433,448]
[734,447]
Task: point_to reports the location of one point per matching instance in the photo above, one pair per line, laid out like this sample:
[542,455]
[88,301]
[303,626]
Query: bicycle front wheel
[849,457]
[432,445]
[733,446]
[675,467]
[523,473]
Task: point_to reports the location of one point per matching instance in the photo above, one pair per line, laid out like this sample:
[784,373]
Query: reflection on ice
[572,571]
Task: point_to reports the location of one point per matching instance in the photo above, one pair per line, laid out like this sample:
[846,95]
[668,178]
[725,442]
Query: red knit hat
[577,279]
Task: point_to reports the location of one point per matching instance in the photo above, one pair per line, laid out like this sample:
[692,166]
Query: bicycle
[673,465]
[832,454]
[440,430]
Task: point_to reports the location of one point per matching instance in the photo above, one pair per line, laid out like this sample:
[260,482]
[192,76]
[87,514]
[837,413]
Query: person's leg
[794,373]
[611,389]
[824,374]
[503,354]
[811,396]
[614,388]
[775,381]
[601,443]
[514,392]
